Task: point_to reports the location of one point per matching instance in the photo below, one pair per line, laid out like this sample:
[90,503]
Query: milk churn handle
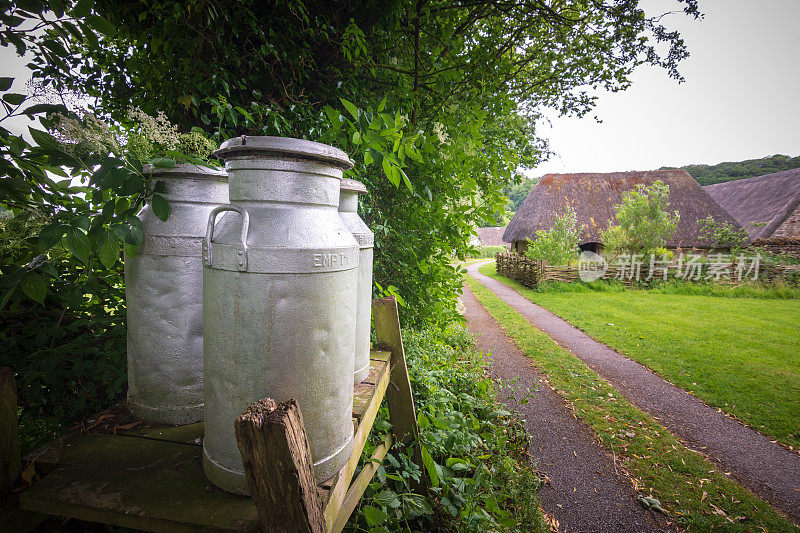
[242,250]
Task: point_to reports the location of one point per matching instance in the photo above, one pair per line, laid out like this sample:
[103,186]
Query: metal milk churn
[348,210]
[164,294]
[279,293]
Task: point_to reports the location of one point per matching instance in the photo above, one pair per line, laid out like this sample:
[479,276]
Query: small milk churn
[279,293]
[164,294]
[348,210]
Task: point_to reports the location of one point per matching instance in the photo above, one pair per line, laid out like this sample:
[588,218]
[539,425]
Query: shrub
[644,224]
[475,451]
[559,244]
[724,234]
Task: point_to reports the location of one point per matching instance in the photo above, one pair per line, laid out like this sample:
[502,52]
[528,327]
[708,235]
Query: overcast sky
[741,98]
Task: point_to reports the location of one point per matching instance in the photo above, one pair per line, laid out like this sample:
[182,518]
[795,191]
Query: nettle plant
[559,244]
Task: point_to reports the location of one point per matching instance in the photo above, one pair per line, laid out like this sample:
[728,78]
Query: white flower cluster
[158,130]
[438,130]
[87,133]
[403,119]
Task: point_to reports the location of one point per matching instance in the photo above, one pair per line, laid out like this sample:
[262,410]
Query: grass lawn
[739,354]
[692,491]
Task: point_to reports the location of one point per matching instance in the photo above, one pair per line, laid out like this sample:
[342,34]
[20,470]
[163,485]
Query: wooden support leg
[10,464]
[278,466]
[401,402]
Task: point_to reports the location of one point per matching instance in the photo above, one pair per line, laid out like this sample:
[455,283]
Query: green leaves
[82,8]
[14,98]
[102,25]
[351,108]
[160,207]
[34,287]
[78,244]
[108,249]
[430,467]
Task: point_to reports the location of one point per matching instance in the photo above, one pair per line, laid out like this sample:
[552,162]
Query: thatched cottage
[492,236]
[593,196]
[767,207]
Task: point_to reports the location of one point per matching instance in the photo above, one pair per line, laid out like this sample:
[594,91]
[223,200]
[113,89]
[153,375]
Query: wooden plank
[399,397]
[10,462]
[360,485]
[137,483]
[12,518]
[341,482]
[188,434]
[279,469]
[364,392]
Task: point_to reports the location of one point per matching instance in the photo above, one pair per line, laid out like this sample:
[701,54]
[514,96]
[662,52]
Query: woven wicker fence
[530,272]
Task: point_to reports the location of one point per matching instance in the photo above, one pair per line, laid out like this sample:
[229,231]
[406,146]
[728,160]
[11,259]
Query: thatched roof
[766,200]
[491,236]
[594,195]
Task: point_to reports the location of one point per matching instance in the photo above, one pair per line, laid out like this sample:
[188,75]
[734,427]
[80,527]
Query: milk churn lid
[185,169]
[286,146]
[352,185]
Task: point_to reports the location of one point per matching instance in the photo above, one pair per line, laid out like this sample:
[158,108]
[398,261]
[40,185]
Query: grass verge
[690,488]
[739,354]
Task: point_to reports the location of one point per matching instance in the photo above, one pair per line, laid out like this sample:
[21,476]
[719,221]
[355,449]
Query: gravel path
[584,493]
[765,467]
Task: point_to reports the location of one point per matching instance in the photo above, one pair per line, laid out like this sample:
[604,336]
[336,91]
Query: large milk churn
[348,210]
[279,293]
[164,294]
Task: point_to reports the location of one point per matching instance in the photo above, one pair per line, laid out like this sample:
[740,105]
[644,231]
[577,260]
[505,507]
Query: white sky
[741,98]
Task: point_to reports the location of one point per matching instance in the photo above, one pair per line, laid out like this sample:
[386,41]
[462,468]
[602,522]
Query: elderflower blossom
[438,130]
[403,119]
[393,61]
[85,133]
[158,130]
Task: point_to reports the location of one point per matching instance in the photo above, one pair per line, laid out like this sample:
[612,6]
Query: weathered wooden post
[10,464]
[278,466]
[401,402]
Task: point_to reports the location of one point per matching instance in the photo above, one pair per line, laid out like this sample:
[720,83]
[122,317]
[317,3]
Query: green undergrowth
[692,491]
[737,354]
[473,449]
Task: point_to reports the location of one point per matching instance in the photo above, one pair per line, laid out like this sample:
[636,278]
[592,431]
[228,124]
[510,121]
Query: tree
[559,244]
[517,193]
[643,222]
[466,80]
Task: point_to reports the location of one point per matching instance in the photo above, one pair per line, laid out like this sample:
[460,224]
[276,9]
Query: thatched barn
[492,236]
[593,197]
[767,207]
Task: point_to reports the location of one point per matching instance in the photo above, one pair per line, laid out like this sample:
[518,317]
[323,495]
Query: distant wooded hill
[708,174]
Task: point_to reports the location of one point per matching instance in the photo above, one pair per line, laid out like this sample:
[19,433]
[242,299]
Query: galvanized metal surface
[348,210]
[283,326]
[164,297]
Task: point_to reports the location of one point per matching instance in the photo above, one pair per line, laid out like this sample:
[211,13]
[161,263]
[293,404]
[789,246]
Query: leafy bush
[644,223]
[479,473]
[724,234]
[559,244]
